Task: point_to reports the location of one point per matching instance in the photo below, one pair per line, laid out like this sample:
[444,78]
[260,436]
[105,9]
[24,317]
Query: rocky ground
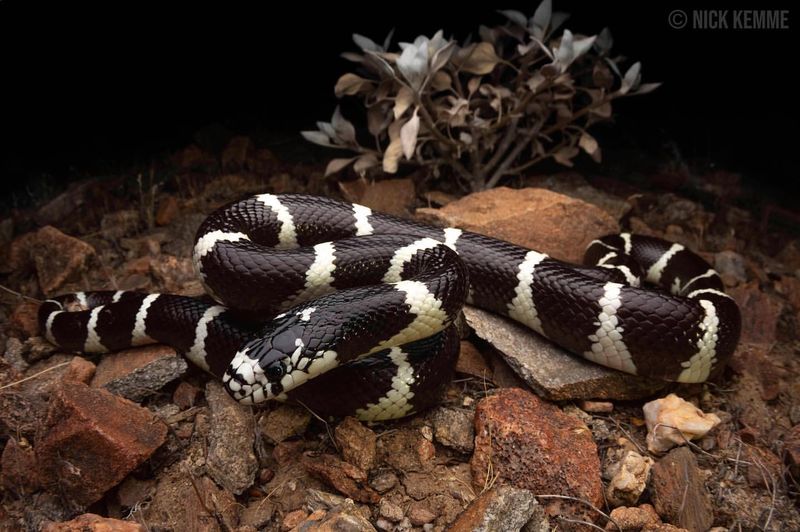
[526,437]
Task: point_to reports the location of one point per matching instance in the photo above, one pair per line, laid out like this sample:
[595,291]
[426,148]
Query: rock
[389,510]
[94,523]
[139,372]
[133,492]
[25,318]
[596,407]
[406,450]
[13,356]
[57,258]
[322,500]
[387,480]
[288,452]
[193,158]
[345,517]
[629,478]
[563,226]
[678,492]
[293,519]
[756,361]
[501,508]
[390,196]
[231,461]
[452,427]
[168,209]
[731,267]
[551,371]
[575,186]
[64,204]
[672,421]
[91,440]
[185,395]
[236,154]
[18,468]
[763,467]
[177,504]
[471,362]
[760,313]
[284,422]
[257,514]
[357,443]
[633,519]
[345,478]
[115,225]
[79,370]
[531,444]
[789,287]
[420,514]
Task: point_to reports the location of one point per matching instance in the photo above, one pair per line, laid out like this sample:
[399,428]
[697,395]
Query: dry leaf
[479,59]
[403,100]
[337,164]
[408,135]
[350,84]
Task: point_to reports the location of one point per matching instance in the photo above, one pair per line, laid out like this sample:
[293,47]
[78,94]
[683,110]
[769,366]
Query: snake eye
[274,372]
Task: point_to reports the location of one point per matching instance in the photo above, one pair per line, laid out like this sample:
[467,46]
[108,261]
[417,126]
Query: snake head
[275,363]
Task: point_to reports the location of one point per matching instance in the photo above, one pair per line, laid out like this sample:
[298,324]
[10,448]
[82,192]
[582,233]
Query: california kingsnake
[343,282]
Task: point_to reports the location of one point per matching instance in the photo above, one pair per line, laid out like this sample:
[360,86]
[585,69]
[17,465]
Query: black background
[85,89]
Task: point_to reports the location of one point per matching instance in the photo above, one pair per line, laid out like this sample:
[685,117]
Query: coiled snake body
[363,306]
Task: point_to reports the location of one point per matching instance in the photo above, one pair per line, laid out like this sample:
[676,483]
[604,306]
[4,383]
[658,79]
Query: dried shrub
[482,110]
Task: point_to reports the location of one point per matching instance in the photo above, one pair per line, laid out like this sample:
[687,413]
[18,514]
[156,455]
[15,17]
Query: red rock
[168,209]
[237,153]
[791,444]
[19,470]
[528,443]
[57,258]
[65,203]
[185,395]
[345,478]
[345,517]
[357,443]
[406,450]
[138,372]
[177,505]
[288,452]
[755,360]
[391,196]
[763,467]
[633,518]
[25,318]
[471,362]
[760,313]
[91,440]
[118,224]
[790,288]
[284,422]
[678,492]
[192,158]
[94,523]
[293,519]
[532,217]
[79,370]
[596,407]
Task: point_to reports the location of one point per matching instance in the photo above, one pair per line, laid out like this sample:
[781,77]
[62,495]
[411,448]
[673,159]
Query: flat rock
[535,218]
[231,461]
[345,517]
[678,492]
[531,444]
[25,318]
[139,372]
[94,523]
[91,440]
[551,371]
[18,468]
[502,508]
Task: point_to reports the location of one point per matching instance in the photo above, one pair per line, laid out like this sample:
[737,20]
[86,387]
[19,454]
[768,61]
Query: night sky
[84,87]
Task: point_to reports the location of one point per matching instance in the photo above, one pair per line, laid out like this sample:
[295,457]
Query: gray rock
[453,427]
[502,508]
[551,371]
[139,372]
[231,460]
[731,267]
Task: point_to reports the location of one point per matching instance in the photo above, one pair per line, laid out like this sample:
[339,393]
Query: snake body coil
[363,305]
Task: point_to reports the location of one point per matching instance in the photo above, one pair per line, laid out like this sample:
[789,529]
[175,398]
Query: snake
[353,312]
